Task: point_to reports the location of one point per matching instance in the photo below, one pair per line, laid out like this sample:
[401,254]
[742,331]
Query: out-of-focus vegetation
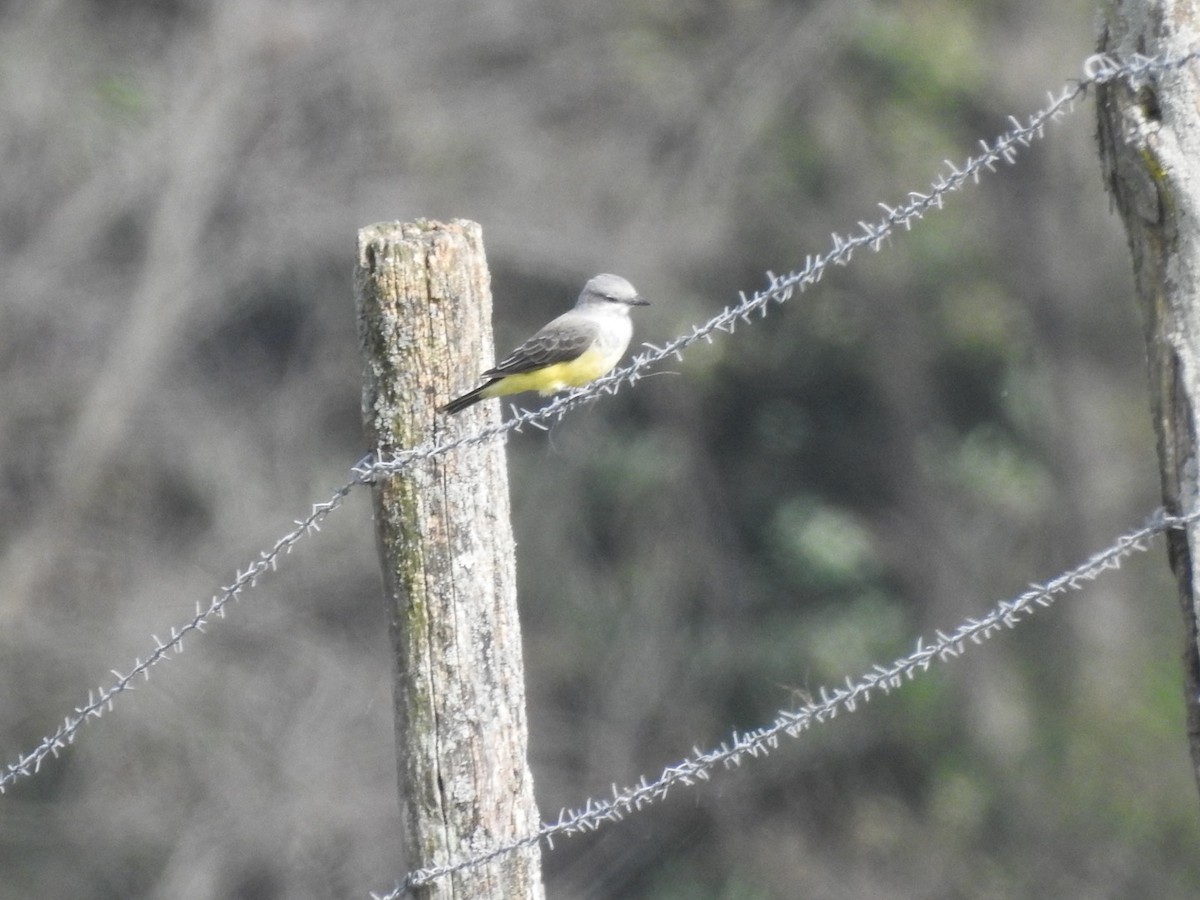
[926,432]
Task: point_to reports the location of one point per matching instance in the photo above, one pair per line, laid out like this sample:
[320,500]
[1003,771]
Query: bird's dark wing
[547,347]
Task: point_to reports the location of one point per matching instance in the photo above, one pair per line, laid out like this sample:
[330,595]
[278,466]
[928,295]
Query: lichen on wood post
[446,545]
[1149,135]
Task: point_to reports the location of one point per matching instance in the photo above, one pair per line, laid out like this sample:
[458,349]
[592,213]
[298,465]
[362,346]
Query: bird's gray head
[608,290]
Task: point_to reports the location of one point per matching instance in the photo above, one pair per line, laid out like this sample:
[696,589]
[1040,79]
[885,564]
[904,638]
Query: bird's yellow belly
[560,376]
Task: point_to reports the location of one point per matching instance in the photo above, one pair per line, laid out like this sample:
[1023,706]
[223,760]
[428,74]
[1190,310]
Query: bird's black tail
[458,404]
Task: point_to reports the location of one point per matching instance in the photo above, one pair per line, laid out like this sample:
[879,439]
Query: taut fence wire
[789,723]
[942,647]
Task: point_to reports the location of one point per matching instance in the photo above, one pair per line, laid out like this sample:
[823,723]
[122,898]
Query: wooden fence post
[446,544]
[1150,146]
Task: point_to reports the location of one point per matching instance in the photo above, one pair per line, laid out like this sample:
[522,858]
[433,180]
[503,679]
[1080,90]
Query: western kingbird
[577,347]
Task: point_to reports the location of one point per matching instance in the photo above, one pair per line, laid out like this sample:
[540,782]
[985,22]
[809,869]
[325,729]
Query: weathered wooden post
[446,544]
[1150,147]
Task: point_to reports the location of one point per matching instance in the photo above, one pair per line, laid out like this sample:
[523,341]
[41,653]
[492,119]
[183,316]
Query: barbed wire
[1098,69]
[101,699]
[1005,148]
[699,767]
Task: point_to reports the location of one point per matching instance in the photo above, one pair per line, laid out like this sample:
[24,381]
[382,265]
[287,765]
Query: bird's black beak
[639,301]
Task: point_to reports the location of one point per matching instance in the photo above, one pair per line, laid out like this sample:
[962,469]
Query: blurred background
[926,432]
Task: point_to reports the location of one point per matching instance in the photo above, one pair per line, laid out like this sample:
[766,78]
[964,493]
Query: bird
[579,346]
